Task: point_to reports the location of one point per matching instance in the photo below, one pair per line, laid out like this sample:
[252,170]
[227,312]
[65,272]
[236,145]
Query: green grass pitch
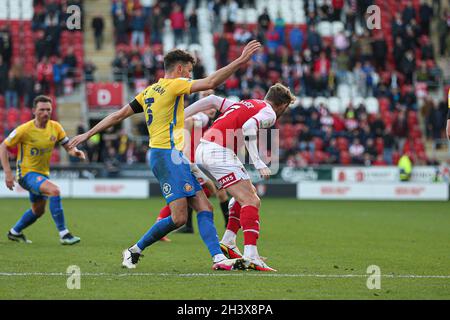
[321,249]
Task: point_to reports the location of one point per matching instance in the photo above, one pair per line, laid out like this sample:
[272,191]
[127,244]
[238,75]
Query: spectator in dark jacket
[223,46]
[408,13]
[70,60]
[379,51]
[264,20]
[121,28]
[98,26]
[314,40]
[193,27]
[435,122]
[138,27]
[156,25]
[3,75]
[6,45]
[12,89]
[408,66]
[425,15]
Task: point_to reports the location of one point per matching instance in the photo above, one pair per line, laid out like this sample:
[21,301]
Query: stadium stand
[39,55]
[352,82]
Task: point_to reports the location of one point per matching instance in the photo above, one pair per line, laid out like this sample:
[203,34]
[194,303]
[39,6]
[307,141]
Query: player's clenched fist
[265,173]
[9,180]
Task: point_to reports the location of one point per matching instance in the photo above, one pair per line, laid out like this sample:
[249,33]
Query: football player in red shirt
[216,155]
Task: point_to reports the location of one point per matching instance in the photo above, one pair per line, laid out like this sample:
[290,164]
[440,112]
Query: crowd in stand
[313,66]
[52,67]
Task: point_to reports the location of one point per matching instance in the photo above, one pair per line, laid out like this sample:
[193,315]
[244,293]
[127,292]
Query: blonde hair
[279,95]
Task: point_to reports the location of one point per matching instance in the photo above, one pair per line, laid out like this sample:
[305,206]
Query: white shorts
[220,163]
[198,174]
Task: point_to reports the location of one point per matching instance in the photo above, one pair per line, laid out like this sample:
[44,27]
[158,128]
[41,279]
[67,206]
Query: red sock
[164,213]
[234,224]
[250,224]
[206,191]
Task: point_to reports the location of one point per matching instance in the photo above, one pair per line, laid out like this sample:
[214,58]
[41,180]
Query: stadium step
[102,58]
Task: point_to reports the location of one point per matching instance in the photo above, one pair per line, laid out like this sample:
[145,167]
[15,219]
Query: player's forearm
[252,148]
[203,104]
[218,77]
[111,120]
[448,128]
[5,159]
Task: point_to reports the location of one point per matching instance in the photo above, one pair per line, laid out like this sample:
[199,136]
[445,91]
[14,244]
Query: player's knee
[251,199]
[55,192]
[39,211]
[179,220]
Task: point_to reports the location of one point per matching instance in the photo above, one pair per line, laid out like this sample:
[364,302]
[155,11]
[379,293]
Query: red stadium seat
[318,143]
[345,157]
[25,115]
[379,145]
[342,144]
[12,116]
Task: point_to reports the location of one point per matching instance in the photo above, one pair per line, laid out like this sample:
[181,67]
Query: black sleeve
[448,115]
[136,106]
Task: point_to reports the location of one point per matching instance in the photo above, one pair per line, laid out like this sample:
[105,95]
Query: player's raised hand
[9,181]
[77,140]
[249,50]
[265,173]
[79,154]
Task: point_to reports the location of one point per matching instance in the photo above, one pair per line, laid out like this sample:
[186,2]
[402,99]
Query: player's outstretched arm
[9,176]
[218,77]
[448,127]
[211,101]
[111,120]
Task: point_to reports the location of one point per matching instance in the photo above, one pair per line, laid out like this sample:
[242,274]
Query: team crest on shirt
[39,179]
[166,188]
[52,138]
[187,187]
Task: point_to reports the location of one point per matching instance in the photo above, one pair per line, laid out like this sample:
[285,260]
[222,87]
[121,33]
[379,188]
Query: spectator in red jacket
[322,65]
[337,9]
[178,23]
[44,71]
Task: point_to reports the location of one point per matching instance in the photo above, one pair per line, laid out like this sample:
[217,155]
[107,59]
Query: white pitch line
[232,274]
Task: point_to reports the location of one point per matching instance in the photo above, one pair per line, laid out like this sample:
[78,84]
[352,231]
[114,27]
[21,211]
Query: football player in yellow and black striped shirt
[163,107]
[35,140]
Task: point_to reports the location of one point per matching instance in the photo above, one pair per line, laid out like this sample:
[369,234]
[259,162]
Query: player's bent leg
[51,190]
[156,232]
[28,218]
[164,213]
[208,233]
[228,242]
[245,194]
[224,202]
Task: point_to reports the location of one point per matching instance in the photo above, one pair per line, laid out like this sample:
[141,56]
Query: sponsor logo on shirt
[187,187]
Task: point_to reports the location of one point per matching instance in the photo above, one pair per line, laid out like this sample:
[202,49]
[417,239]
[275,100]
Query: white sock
[219,257]
[251,251]
[14,232]
[229,238]
[63,233]
[135,249]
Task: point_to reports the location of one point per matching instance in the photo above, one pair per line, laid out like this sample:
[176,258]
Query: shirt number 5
[149,103]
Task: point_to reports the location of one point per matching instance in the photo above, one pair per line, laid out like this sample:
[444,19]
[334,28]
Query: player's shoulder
[56,124]
[25,126]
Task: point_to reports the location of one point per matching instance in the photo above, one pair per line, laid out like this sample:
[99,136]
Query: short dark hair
[279,95]
[177,56]
[41,98]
